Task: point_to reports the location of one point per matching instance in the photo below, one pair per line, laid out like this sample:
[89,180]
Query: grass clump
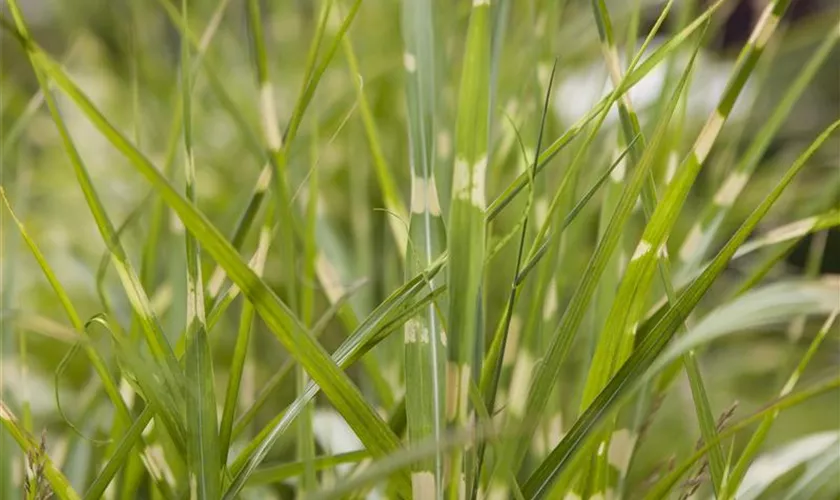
[392,266]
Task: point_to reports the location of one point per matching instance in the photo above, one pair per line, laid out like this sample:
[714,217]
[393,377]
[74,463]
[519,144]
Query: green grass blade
[627,309]
[237,367]
[630,79]
[279,376]
[791,231]
[202,430]
[424,339]
[272,474]
[133,434]
[493,369]
[278,152]
[384,468]
[344,356]
[305,437]
[96,360]
[466,238]
[120,456]
[611,351]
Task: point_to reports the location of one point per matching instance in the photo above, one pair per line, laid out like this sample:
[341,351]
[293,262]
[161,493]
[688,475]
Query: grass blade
[467,236]
[424,335]
[202,435]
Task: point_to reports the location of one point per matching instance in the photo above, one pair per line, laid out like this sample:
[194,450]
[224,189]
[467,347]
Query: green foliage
[397,185]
